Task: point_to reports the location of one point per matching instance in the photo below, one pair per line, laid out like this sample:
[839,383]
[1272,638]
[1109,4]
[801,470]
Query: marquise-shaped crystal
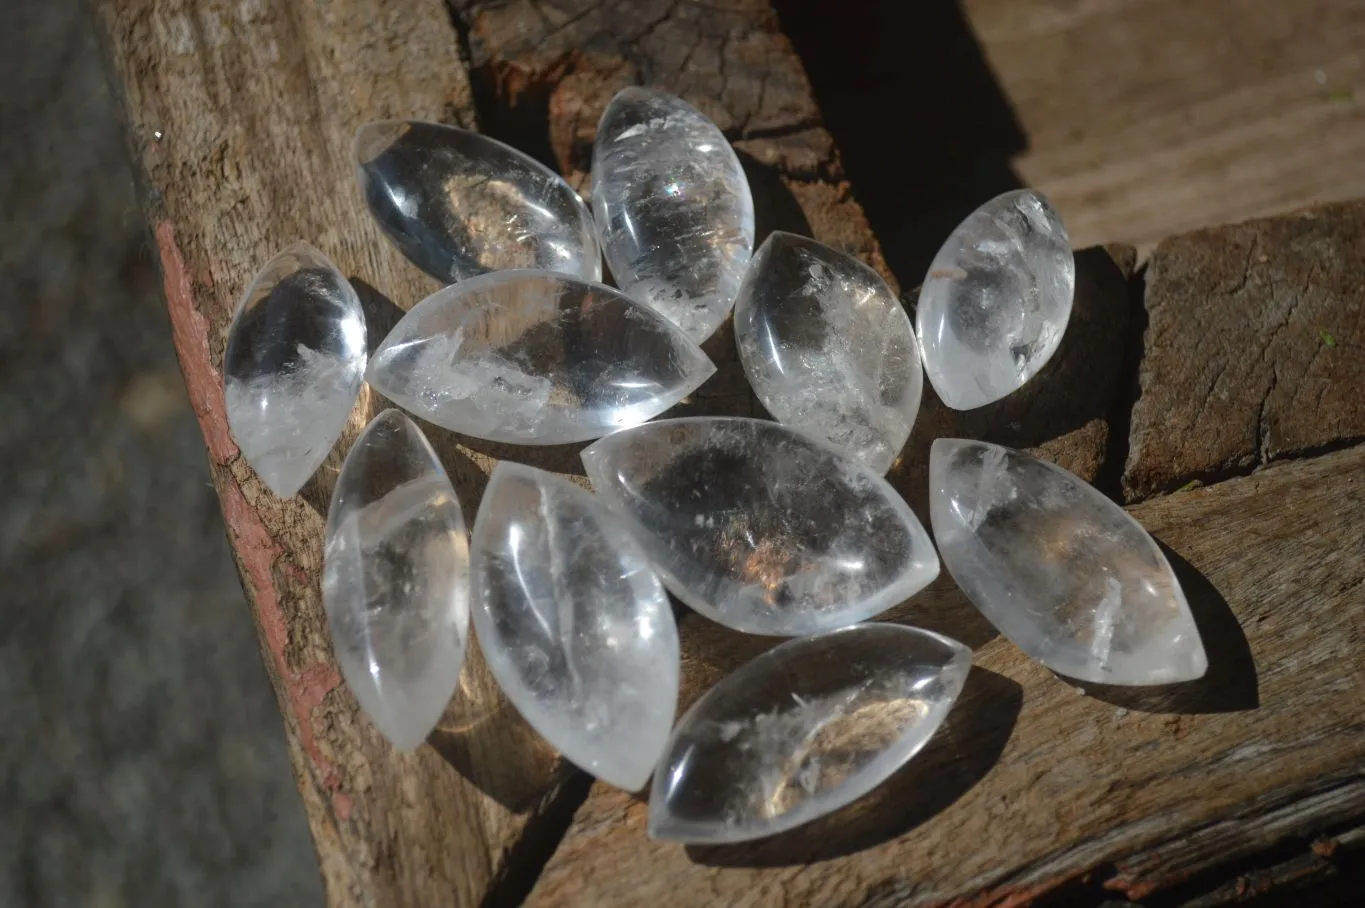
[294,365]
[395,579]
[574,624]
[760,527]
[828,348]
[804,729]
[673,208]
[458,203]
[1059,569]
[996,300]
[536,358]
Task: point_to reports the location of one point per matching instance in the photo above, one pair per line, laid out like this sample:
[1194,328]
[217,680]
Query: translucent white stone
[395,579]
[996,300]
[1059,569]
[294,365]
[458,203]
[673,208]
[574,624]
[760,527]
[531,357]
[828,348]
[806,728]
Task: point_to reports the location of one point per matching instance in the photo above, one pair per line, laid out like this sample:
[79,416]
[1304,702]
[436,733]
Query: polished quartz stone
[535,358]
[828,348]
[673,208]
[996,300]
[294,365]
[458,203]
[804,729]
[1059,569]
[762,528]
[574,623]
[395,579]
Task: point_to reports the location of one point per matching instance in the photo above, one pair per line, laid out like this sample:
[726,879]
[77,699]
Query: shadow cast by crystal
[381,313]
[943,608]
[775,208]
[1229,685]
[959,756]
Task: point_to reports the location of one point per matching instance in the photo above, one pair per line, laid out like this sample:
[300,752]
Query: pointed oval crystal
[996,300]
[574,624]
[294,365]
[458,203]
[672,207]
[535,358]
[395,580]
[762,528]
[828,348]
[1067,575]
[804,729]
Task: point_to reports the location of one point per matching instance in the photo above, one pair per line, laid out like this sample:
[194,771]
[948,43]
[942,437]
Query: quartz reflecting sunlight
[996,300]
[531,357]
[673,208]
[760,527]
[395,580]
[459,204]
[806,728]
[1067,575]
[294,366]
[574,623]
[828,347]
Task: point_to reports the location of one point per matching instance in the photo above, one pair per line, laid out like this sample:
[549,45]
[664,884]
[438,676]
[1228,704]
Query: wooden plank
[240,116]
[1253,348]
[1147,118]
[1033,784]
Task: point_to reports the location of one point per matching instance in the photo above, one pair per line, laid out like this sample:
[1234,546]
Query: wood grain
[1034,784]
[240,116]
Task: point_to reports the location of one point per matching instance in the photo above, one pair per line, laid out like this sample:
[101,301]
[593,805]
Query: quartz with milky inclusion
[574,624]
[828,348]
[673,208]
[804,729]
[458,203]
[395,579]
[996,300]
[760,527]
[1059,569]
[530,357]
[294,365]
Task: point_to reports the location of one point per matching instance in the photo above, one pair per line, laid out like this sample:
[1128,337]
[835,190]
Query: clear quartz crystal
[1062,571]
[530,357]
[459,204]
[673,208]
[760,527]
[828,348]
[574,623]
[804,729]
[996,300]
[395,580]
[294,365]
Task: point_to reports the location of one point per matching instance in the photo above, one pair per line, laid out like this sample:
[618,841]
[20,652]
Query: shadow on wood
[959,755]
[920,64]
[775,208]
[1230,685]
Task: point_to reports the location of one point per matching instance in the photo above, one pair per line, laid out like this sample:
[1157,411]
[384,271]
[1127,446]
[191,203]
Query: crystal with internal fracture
[828,348]
[760,527]
[673,208]
[531,357]
[395,580]
[996,300]
[294,365]
[574,624]
[1062,571]
[804,729]
[458,203]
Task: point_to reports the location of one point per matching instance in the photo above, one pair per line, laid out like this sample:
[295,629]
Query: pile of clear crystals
[782,527]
